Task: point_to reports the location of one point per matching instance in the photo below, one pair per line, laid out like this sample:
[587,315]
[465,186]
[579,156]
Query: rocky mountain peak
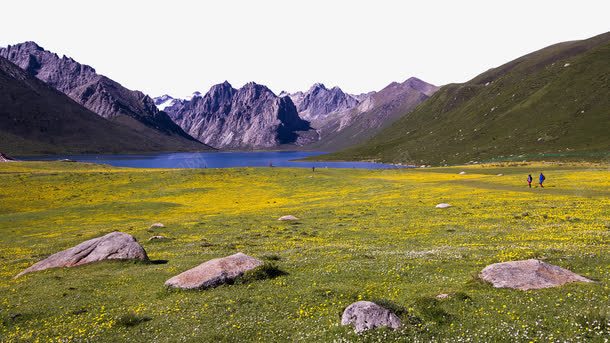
[420,85]
[220,89]
[96,92]
[245,118]
[33,111]
[317,87]
[163,98]
[255,88]
[164,101]
[319,102]
[29,46]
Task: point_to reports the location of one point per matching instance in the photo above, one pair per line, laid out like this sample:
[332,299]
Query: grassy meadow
[363,235]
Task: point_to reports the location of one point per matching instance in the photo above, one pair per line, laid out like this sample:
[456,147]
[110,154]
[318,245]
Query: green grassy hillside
[553,103]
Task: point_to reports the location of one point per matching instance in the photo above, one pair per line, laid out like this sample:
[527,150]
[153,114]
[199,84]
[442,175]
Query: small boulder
[443,205]
[442,296]
[366,315]
[157,226]
[528,274]
[113,246]
[288,217]
[158,238]
[500,174]
[214,272]
[462,173]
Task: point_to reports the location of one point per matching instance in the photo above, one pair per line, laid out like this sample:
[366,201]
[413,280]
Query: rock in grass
[500,174]
[366,315]
[443,205]
[462,173]
[157,226]
[528,274]
[214,272]
[442,296]
[113,246]
[288,217]
[5,158]
[158,238]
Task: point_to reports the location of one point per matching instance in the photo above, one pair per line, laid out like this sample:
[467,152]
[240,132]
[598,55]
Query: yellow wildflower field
[362,235]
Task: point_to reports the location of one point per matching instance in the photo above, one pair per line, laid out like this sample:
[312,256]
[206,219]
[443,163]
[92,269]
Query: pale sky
[177,47]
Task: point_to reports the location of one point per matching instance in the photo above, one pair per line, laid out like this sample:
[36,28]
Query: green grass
[362,235]
[551,104]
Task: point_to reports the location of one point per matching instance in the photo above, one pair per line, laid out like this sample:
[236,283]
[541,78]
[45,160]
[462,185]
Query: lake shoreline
[216,159]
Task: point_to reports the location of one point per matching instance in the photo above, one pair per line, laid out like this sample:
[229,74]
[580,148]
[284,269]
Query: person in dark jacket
[529,180]
[541,179]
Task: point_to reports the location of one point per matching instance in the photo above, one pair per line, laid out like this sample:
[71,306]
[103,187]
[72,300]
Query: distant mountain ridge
[355,118]
[251,117]
[35,118]
[318,102]
[98,93]
[164,101]
[319,118]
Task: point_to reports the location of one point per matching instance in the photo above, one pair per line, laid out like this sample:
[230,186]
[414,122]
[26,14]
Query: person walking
[529,180]
[541,179]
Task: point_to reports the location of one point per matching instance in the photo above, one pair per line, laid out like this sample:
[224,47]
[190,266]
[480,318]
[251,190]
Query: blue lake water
[214,160]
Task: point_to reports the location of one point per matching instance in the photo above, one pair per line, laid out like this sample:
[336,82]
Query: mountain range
[253,117]
[35,118]
[101,95]
[550,104]
[318,102]
[373,112]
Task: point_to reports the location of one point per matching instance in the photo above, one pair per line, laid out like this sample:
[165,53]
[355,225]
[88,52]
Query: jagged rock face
[164,101]
[318,102]
[362,96]
[96,92]
[249,117]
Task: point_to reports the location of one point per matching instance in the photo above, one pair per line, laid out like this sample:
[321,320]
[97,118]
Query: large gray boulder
[113,246]
[366,315]
[214,272]
[528,274]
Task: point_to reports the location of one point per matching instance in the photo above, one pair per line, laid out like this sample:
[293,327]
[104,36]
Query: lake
[213,160]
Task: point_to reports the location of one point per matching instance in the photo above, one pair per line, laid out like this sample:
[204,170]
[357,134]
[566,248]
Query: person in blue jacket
[541,180]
